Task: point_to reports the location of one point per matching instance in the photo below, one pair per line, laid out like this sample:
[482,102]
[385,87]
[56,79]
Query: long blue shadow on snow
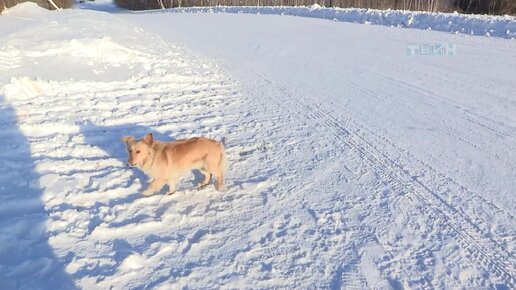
[108,138]
[26,259]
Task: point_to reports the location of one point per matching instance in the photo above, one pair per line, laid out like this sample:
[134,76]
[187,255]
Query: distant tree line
[494,7]
[463,6]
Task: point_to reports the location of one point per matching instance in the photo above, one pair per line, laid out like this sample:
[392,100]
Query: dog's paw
[171,192]
[201,186]
[148,193]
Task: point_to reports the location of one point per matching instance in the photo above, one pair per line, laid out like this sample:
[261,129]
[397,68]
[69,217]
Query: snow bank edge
[481,25]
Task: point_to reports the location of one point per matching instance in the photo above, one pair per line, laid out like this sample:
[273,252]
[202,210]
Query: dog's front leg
[154,186]
[171,186]
[172,182]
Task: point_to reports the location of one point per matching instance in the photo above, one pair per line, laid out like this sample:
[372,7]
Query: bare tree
[54,4]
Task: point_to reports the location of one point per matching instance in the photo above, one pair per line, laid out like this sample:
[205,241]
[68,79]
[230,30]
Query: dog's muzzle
[131,165]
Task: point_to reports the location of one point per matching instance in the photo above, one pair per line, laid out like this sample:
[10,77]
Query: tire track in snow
[501,263]
[472,239]
[502,132]
[463,111]
[454,128]
[350,274]
[476,139]
[443,76]
[438,179]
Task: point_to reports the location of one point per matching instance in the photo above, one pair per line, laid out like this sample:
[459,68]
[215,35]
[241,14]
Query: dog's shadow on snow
[108,138]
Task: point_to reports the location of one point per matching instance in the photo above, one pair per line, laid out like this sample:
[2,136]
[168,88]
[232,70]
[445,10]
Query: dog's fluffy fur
[167,162]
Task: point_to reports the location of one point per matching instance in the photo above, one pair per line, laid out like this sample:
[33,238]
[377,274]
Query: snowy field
[352,164]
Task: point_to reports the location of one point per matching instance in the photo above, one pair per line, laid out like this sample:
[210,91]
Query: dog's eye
[137,151]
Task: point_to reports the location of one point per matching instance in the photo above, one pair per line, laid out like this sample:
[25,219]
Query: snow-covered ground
[352,164]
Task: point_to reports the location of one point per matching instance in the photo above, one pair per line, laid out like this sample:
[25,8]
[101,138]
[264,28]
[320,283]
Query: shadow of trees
[27,261]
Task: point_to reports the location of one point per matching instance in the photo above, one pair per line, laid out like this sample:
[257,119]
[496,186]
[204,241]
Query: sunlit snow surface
[353,164]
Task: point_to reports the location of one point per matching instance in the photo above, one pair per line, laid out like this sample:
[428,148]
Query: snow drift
[484,25]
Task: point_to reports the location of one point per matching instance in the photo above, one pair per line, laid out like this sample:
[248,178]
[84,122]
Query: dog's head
[138,150]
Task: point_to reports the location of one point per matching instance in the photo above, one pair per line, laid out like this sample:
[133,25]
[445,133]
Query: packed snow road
[352,164]
[430,140]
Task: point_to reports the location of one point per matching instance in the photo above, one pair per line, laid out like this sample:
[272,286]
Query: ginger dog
[167,162]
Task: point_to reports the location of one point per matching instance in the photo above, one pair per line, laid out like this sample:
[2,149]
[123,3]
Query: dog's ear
[148,138]
[128,139]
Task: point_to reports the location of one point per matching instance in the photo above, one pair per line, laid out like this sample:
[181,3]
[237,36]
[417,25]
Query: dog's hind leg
[215,165]
[221,168]
[207,178]
[219,175]
[219,184]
